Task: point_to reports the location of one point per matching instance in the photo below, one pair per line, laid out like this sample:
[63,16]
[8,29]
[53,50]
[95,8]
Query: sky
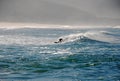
[61,12]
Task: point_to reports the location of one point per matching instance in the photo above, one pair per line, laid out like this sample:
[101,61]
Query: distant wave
[116,27]
[102,36]
[24,40]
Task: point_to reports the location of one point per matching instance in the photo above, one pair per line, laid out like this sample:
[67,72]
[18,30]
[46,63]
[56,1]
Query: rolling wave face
[101,36]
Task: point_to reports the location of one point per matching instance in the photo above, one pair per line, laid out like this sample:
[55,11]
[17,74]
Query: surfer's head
[60,40]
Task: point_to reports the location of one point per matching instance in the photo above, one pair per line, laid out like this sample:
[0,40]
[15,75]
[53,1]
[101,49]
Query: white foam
[71,37]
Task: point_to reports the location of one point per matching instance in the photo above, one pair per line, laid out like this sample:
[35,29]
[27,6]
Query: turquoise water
[84,55]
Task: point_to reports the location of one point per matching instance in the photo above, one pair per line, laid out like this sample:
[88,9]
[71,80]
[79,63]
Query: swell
[93,36]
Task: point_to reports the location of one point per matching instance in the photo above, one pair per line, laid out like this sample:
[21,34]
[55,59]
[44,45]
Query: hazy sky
[68,12]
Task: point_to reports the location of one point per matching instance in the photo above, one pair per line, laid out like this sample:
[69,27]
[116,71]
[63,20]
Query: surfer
[59,41]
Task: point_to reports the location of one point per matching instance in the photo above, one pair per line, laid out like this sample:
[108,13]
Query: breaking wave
[101,36]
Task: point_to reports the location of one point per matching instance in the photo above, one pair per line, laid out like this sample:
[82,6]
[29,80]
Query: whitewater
[83,55]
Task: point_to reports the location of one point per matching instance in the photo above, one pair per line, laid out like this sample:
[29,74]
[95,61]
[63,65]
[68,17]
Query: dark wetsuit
[60,40]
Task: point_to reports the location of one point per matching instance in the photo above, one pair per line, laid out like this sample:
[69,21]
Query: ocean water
[30,54]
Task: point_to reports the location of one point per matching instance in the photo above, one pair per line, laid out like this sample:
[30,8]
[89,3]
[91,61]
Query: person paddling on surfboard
[59,41]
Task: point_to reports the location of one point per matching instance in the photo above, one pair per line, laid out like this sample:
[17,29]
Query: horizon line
[11,25]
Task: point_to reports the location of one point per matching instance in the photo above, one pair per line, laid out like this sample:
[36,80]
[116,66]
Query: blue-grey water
[84,55]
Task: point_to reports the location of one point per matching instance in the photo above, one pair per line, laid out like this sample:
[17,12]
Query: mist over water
[65,12]
[85,54]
